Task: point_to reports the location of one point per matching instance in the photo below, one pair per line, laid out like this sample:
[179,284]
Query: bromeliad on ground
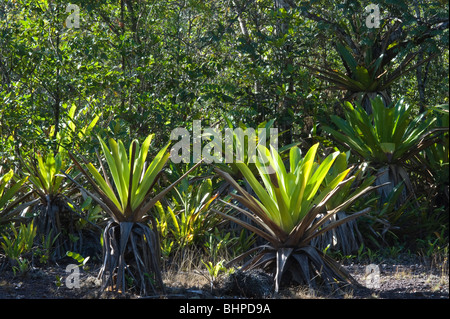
[9,188]
[54,216]
[187,219]
[286,211]
[130,247]
[345,238]
[433,162]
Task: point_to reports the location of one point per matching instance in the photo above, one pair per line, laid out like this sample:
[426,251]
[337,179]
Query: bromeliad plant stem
[285,213]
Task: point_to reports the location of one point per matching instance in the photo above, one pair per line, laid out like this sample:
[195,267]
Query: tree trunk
[421,81]
[57,104]
[285,121]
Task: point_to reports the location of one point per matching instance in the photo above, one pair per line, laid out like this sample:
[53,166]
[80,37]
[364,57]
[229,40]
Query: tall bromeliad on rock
[130,246]
[394,39]
[286,212]
[387,139]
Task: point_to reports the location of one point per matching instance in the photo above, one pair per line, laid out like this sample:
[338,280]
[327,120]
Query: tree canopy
[150,66]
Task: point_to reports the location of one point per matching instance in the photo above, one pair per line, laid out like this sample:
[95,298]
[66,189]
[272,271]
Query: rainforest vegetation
[91,93]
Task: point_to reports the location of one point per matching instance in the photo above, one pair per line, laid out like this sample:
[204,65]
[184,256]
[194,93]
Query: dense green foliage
[150,67]
[73,76]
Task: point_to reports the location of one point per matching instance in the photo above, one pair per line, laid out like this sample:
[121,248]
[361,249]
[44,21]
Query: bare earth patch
[396,281]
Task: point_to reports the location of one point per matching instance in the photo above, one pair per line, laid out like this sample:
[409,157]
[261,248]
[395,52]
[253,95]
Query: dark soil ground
[410,279]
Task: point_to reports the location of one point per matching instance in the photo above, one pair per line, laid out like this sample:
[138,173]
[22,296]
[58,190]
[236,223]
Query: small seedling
[80,259]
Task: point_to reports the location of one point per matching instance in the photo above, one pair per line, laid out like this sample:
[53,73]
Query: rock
[248,284]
